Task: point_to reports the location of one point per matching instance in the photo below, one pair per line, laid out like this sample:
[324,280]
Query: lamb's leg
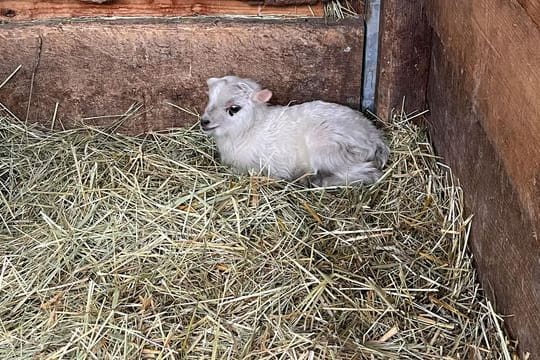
[356,175]
[362,174]
[336,165]
[319,179]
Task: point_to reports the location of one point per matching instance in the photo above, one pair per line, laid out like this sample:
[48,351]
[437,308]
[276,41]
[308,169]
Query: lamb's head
[232,105]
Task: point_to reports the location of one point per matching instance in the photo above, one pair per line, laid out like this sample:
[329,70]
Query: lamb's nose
[205,121]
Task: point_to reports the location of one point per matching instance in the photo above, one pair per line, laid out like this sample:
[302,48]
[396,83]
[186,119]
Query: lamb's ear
[212,81]
[262,96]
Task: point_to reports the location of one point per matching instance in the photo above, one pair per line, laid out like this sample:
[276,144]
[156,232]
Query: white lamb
[329,143]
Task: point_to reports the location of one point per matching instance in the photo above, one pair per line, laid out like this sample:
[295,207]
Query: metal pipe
[371,54]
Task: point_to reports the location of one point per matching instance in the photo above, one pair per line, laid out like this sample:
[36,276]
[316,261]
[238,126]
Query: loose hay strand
[339,9]
[146,247]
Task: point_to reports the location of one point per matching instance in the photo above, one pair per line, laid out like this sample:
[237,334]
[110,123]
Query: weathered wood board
[100,68]
[404,57]
[532,7]
[14,10]
[484,96]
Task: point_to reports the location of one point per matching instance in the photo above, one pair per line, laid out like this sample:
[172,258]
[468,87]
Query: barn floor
[117,247]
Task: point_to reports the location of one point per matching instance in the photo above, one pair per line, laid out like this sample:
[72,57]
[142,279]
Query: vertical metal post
[371,54]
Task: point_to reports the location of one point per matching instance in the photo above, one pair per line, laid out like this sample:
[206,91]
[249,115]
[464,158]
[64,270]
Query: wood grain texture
[484,96]
[532,7]
[16,10]
[97,1]
[287,2]
[404,56]
[100,68]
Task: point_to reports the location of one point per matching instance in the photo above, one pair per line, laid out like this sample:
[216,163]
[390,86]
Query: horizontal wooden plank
[95,69]
[285,2]
[14,10]
[484,99]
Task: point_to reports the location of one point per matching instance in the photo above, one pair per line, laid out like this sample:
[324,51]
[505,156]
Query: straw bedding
[118,247]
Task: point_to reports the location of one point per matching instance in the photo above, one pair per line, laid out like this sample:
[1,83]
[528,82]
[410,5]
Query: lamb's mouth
[209,128]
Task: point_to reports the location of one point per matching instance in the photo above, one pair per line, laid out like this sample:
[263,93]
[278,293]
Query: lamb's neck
[268,113]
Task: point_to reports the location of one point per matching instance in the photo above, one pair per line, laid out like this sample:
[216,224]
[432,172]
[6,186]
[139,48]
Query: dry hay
[118,247]
[341,9]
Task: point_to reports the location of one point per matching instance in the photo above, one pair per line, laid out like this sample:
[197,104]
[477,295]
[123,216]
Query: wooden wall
[484,97]
[100,68]
[405,44]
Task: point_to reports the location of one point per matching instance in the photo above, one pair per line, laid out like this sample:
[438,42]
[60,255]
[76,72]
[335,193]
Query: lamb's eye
[233,109]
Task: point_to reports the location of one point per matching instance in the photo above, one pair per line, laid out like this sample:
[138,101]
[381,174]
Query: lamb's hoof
[319,179]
